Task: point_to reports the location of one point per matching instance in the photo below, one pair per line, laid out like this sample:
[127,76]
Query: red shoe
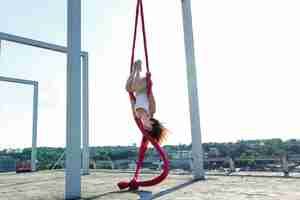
[123,185]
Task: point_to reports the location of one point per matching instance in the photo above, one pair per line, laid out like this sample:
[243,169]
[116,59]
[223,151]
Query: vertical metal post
[197,153]
[73,150]
[85,114]
[34,126]
[285,165]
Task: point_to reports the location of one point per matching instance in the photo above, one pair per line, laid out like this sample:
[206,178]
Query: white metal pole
[33,43]
[16,80]
[85,114]
[34,126]
[73,150]
[197,153]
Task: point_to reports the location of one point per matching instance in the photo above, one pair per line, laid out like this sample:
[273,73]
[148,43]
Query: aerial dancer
[143,108]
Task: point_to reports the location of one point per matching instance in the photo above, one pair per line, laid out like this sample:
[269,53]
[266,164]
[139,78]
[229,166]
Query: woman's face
[147,124]
[145,118]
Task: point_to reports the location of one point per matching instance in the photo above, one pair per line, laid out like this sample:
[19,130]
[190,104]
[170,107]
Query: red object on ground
[23,166]
[135,183]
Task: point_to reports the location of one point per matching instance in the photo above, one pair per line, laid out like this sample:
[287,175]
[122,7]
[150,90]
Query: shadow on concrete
[104,194]
[254,176]
[173,189]
[144,195]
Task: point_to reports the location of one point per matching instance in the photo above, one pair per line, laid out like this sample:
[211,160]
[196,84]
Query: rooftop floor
[48,185]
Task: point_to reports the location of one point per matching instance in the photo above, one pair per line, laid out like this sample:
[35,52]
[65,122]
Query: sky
[247,58]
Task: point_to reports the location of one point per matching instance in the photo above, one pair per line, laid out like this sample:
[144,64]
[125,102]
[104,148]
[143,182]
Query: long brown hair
[158,132]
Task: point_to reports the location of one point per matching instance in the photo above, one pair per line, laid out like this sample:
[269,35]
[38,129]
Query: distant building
[7,164]
[261,143]
[180,154]
[104,164]
[213,152]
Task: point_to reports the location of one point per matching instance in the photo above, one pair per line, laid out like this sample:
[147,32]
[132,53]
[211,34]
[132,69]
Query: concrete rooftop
[48,185]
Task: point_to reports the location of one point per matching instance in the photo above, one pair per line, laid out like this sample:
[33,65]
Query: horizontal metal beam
[16,80]
[34,43]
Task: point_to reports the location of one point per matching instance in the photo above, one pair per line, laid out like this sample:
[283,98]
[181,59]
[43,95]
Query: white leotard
[142,101]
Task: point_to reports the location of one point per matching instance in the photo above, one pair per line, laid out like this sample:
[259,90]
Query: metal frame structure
[74,79]
[35,85]
[82,90]
[73,181]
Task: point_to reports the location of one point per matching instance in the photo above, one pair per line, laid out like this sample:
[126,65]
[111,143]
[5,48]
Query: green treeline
[244,149]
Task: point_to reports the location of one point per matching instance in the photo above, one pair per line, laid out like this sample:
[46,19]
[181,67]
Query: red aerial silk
[135,183]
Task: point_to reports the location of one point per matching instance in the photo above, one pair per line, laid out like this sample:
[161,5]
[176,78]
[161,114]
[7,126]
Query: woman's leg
[130,81]
[135,82]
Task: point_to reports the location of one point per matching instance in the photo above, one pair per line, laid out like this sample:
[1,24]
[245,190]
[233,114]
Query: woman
[144,107]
